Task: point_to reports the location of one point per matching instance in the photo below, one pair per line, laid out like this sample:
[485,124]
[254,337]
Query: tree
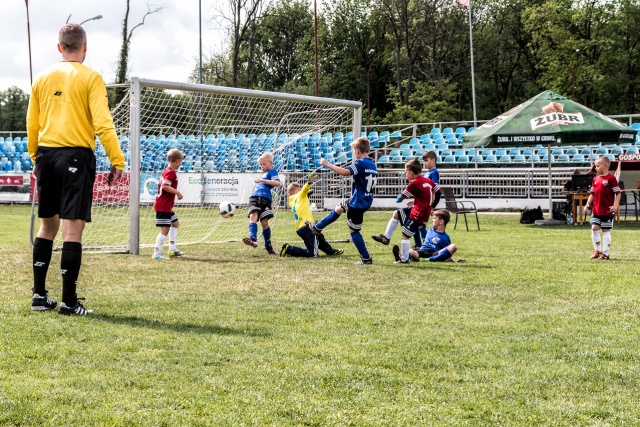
[123,57]
[13,109]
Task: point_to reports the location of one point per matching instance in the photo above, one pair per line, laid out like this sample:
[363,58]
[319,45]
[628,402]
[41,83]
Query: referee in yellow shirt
[67,108]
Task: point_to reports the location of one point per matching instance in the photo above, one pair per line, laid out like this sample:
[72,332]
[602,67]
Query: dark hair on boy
[362,144]
[429,155]
[443,214]
[414,166]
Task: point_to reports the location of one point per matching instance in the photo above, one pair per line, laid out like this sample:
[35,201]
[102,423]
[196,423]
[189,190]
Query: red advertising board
[118,192]
[11,180]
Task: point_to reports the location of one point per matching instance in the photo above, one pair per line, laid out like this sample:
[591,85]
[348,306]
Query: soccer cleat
[175,253]
[270,251]
[285,249]
[76,310]
[596,255]
[314,229]
[42,302]
[337,251]
[396,253]
[249,241]
[364,262]
[381,238]
[603,257]
[159,257]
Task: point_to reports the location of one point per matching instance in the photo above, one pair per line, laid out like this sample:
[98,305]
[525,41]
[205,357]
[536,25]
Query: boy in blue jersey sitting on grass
[260,203]
[365,174]
[301,208]
[437,246]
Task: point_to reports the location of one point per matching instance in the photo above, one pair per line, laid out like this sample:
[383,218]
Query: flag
[618,171]
[464,2]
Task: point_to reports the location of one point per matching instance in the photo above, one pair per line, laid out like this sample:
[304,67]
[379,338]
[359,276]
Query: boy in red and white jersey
[604,201]
[166,219]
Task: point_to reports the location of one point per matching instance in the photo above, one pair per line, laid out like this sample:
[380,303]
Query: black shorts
[262,205]
[165,219]
[355,216]
[426,254]
[65,178]
[409,226]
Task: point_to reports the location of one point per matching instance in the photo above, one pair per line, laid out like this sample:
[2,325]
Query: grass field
[528,332]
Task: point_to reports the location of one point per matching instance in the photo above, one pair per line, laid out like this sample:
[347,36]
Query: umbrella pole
[550,184]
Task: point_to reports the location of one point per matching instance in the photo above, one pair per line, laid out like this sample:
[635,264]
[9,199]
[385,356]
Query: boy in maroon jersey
[604,199]
[421,190]
[165,218]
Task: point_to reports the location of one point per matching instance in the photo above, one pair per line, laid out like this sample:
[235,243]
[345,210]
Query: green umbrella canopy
[549,119]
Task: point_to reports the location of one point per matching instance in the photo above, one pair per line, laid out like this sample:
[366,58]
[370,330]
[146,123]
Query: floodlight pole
[473,80]
[26,2]
[315,41]
[95,18]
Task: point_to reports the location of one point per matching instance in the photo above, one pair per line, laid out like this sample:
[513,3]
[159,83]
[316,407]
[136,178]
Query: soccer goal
[222,132]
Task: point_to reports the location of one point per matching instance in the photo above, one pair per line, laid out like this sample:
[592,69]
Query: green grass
[528,332]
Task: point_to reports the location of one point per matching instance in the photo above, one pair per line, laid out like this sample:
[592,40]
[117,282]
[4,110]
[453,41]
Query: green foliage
[13,109]
[522,334]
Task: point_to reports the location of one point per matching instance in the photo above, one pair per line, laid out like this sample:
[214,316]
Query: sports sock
[420,239]
[391,228]
[595,237]
[329,219]
[406,247]
[443,255]
[42,249]
[157,250]
[357,240]
[70,262]
[173,234]
[266,233]
[253,230]
[606,242]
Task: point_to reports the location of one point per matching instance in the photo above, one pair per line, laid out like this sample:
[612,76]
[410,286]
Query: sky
[166,47]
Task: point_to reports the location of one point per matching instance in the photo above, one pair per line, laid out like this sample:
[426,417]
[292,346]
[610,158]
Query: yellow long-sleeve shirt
[67,108]
[301,207]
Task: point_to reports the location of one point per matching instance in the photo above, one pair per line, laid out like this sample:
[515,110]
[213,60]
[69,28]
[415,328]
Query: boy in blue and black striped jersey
[365,174]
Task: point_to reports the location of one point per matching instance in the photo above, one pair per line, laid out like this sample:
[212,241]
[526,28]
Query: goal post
[221,131]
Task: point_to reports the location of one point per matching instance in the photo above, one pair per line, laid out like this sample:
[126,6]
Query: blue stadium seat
[617,150]
[435,132]
[460,131]
[395,160]
[396,134]
[406,154]
[557,151]
[491,159]
[447,131]
[404,146]
[578,158]
[514,152]
[384,160]
[632,150]
[500,152]
[477,159]
[635,126]
[572,151]
[384,137]
[463,160]
[395,152]
[518,159]
[504,159]
[602,151]
[449,160]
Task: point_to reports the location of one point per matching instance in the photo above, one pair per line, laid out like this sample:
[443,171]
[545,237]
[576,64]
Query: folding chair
[459,207]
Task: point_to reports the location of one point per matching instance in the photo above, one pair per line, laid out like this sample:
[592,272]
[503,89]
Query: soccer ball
[227,209]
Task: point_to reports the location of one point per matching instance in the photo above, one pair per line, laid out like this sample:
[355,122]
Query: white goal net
[222,132]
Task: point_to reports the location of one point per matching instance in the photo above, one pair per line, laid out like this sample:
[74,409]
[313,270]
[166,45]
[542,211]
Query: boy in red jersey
[604,199]
[165,218]
[421,190]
